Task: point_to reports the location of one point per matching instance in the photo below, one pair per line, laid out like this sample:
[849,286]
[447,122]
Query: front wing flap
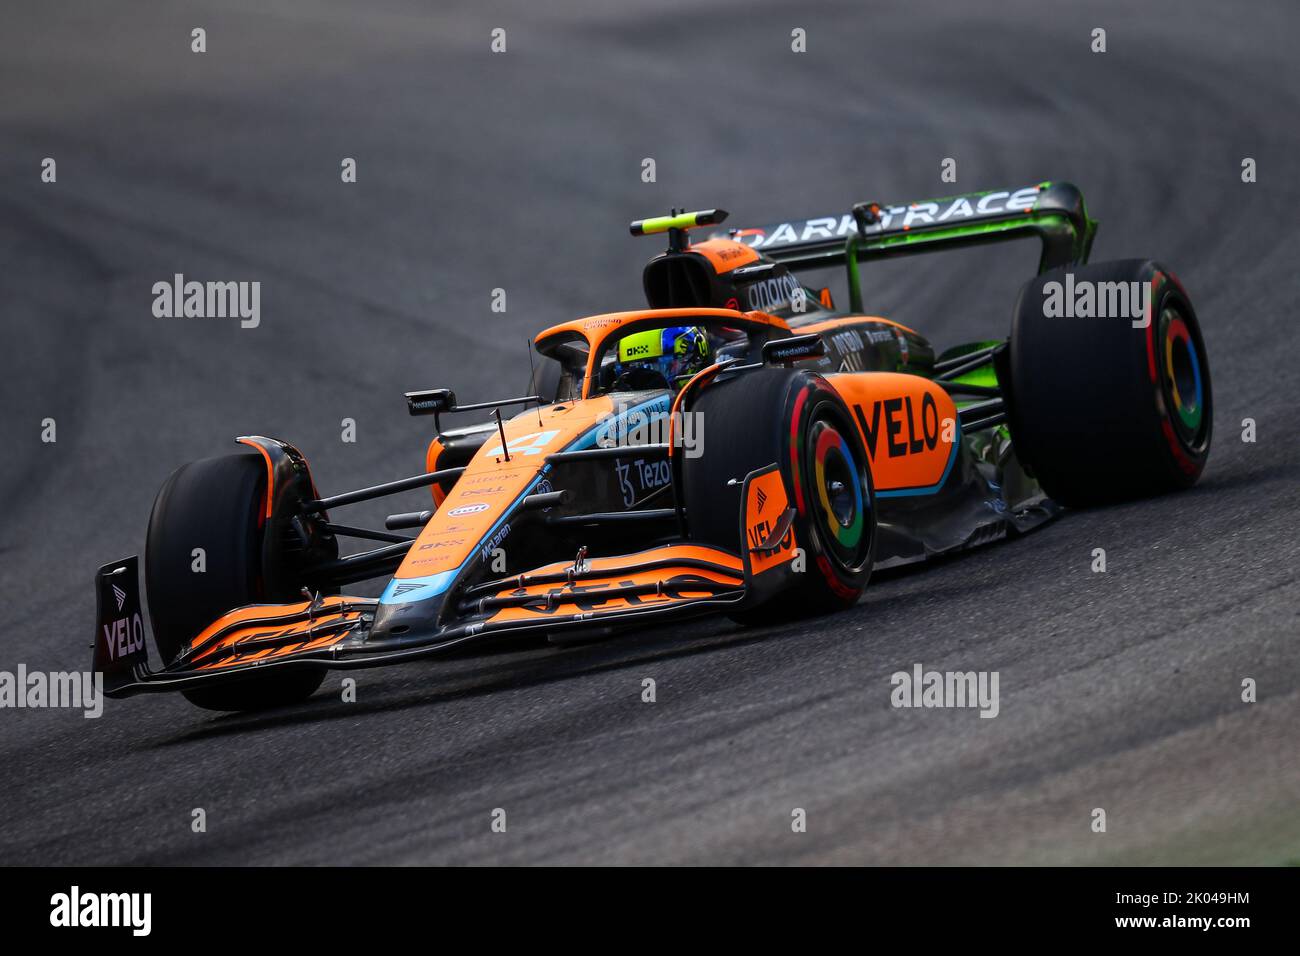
[656,580]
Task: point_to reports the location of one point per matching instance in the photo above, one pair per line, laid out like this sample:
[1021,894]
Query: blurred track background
[521,171]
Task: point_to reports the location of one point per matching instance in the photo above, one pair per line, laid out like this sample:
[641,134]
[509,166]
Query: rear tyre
[216,504]
[792,418]
[1100,411]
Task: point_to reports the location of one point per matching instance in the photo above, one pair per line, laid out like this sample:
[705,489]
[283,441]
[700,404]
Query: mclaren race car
[740,447]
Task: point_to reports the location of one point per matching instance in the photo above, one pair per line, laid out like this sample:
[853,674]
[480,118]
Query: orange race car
[740,447]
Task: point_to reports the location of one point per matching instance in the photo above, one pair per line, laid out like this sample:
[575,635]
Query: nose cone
[406,620]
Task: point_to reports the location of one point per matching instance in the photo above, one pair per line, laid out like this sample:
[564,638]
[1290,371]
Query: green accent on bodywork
[957,232]
[986,376]
[1049,226]
[1028,222]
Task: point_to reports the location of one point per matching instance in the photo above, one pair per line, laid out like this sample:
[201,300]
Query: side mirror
[431,401]
[795,348]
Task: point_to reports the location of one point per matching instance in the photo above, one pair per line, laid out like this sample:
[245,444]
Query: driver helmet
[676,353]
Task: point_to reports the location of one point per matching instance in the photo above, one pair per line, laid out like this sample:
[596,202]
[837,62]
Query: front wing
[332,632]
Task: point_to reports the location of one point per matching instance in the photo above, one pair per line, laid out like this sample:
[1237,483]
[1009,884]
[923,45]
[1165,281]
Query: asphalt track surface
[476,171]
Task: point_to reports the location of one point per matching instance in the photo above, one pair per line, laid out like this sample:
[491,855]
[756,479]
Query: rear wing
[1052,212]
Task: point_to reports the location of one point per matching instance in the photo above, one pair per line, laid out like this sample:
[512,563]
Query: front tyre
[795,419]
[204,557]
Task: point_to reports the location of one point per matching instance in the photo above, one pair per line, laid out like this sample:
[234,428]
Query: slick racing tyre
[215,504]
[795,419]
[1100,410]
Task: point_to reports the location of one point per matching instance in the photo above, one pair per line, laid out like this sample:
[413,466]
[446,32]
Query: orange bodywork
[725,254]
[908,425]
[765,500]
[490,484]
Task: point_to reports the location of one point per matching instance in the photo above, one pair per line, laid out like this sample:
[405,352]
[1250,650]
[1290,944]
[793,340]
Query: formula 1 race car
[740,447]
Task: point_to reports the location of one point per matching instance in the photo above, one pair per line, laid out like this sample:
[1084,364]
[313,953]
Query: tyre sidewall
[1088,403]
[811,402]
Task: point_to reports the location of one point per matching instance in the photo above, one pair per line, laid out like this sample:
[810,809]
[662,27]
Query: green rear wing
[1054,213]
